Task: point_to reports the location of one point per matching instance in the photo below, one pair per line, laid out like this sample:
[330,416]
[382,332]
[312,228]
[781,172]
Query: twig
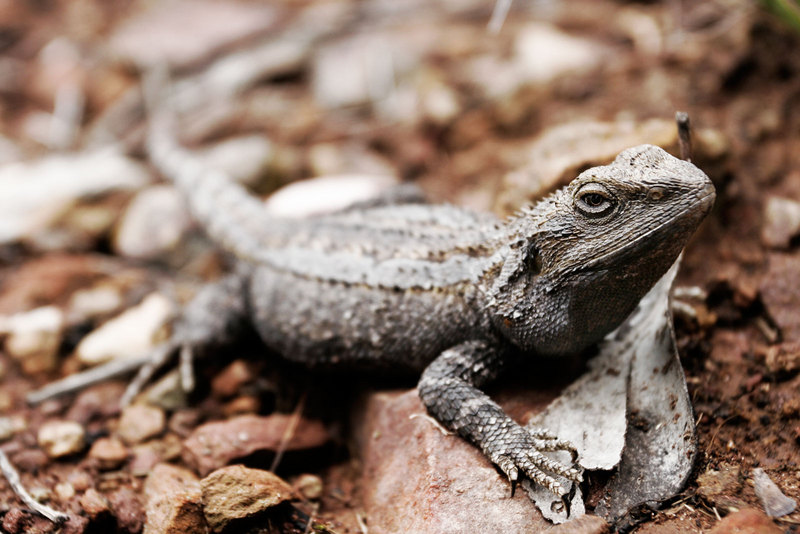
[684,135]
[86,378]
[499,14]
[16,484]
[288,433]
[362,525]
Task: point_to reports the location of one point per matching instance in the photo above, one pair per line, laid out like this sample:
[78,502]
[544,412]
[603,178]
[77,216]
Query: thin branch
[12,477]
[499,14]
[684,135]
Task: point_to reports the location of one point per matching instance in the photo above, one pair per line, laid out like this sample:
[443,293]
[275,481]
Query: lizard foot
[517,449]
[158,359]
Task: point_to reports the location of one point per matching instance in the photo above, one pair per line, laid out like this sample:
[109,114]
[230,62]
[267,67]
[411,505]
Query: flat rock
[746,521]
[416,479]
[184,32]
[214,445]
[140,422]
[36,194]
[237,492]
[173,502]
[127,335]
[109,453]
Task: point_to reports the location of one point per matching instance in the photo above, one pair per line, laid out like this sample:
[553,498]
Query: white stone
[61,438]
[127,335]
[153,224]
[35,194]
[243,158]
[35,334]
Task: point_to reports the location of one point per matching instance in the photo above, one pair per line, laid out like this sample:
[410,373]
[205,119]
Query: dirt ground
[460,109]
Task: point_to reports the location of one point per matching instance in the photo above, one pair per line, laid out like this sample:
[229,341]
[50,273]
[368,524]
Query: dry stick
[13,480]
[499,15]
[87,378]
[288,433]
[684,135]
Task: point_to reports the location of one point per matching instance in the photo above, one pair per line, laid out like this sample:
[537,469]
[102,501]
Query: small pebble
[110,453]
[61,438]
[140,422]
[34,337]
[64,491]
[94,503]
[309,486]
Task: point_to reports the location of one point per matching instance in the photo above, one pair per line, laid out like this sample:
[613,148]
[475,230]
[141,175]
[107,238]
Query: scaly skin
[441,290]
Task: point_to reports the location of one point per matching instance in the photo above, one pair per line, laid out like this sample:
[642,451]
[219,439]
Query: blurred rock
[245,159]
[140,422]
[309,486]
[415,479]
[35,194]
[780,294]
[11,425]
[127,509]
[127,335]
[775,503]
[110,453]
[746,521]
[348,159]
[327,194]
[61,438]
[781,222]
[33,338]
[173,502]
[238,492]
[96,402]
[153,224]
[783,358]
[230,380]
[214,445]
[94,302]
[185,32]
[94,504]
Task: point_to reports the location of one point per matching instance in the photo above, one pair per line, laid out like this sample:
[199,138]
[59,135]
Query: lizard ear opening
[533,259]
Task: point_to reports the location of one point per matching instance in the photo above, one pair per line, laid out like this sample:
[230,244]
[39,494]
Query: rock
[775,503]
[418,480]
[140,422]
[26,211]
[173,502]
[309,486]
[781,294]
[30,460]
[94,302]
[153,224]
[127,335]
[214,445]
[61,438]
[33,338]
[326,194]
[781,222]
[746,521]
[186,32]
[64,491]
[109,453]
[11,425]
[96,402]
[127,509]
[231,379]
[245,159]
[721,486]
[143,459]
[783,358]
[238,492]
[94,503]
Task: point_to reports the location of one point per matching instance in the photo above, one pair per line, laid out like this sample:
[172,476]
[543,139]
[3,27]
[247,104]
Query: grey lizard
[455,295]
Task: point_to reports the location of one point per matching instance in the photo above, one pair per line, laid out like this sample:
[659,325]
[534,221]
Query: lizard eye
[594,200]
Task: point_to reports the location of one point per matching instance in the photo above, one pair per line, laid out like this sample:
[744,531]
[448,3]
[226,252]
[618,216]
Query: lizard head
[579,261]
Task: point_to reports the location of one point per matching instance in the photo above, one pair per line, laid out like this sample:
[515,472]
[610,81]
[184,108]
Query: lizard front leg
[449,390]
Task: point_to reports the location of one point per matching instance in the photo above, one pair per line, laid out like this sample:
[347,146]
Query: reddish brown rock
[127,508]
[98,401]
[173,502]
[237,492]
[417,479]
[109,453]
[140,422]
[214,445]
[746,521]
[780,293]
[231,379]
[94,503]
[588,524]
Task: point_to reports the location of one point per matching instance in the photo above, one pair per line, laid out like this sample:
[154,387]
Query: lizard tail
[231,216]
